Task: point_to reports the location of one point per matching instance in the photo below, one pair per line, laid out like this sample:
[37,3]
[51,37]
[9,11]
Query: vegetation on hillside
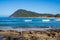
[57,15]
[25,13]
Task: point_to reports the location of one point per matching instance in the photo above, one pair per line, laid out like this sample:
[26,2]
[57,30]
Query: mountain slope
[25,13]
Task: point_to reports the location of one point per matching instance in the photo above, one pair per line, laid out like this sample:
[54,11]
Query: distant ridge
[25,13]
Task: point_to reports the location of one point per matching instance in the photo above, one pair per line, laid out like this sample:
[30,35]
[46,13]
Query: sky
[8,7]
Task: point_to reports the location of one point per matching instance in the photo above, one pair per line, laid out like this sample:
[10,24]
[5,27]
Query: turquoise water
[29,22]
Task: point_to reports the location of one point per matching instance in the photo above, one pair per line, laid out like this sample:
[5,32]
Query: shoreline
[32,17]
[26,29]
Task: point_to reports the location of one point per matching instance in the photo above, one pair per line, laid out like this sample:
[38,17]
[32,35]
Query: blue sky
[7,7]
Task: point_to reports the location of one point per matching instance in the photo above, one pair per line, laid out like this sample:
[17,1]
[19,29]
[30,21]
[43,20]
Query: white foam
[27,20]
[57,19]
[25,29]
[45,20]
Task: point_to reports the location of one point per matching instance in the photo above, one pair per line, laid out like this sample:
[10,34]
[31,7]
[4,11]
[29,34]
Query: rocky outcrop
[31,35]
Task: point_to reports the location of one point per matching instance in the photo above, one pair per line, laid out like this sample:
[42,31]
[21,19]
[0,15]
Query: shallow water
[29,22]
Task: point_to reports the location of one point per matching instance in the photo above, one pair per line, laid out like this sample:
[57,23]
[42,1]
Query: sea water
[25,22]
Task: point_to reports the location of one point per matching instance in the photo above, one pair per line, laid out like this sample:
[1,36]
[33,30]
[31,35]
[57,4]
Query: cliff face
[25,13]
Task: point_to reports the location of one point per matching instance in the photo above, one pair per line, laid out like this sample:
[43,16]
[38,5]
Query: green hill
[57,15]
[25,13]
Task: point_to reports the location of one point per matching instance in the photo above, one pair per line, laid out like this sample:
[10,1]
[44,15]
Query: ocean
[27,22]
